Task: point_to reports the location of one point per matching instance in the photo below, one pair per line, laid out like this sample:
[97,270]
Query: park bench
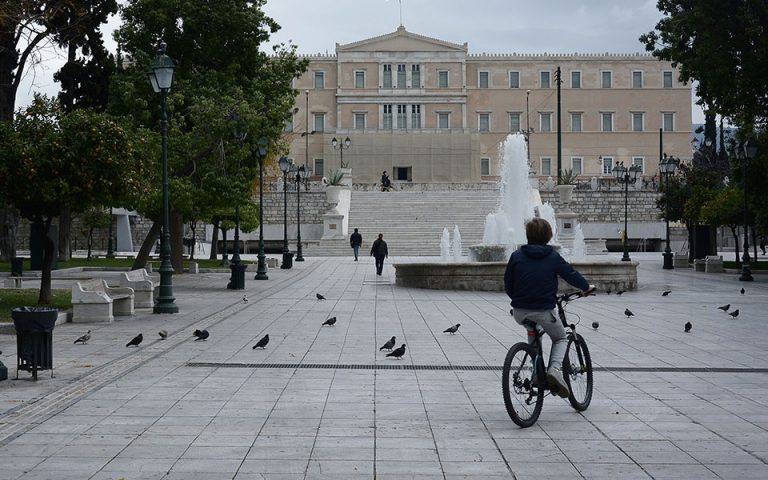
[95,301]
[142,285]
[12,282]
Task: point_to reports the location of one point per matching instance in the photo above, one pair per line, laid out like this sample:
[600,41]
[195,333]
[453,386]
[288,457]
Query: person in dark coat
[379,252]
[355,240]
[386,183]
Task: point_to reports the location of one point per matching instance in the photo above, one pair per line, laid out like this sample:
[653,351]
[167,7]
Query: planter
[565,193]
[332,194]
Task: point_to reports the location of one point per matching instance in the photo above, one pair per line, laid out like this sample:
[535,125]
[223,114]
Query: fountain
[445,246]
[456,244]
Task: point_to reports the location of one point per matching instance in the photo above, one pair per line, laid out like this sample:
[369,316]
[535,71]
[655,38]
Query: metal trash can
[287,261]
[34,338]
[17,266]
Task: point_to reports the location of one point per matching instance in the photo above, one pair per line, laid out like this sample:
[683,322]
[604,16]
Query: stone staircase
[413,222]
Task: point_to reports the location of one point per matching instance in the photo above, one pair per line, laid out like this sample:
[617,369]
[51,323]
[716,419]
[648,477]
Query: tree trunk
[754,244]
[177,241]
[224,249]
[90,243]
[65,234]
[146,247]
[9,225]
[45,281]
[193,227]
[735,234]
[214,241]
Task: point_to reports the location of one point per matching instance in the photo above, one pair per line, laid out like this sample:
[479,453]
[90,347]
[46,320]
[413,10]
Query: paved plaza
[324,403]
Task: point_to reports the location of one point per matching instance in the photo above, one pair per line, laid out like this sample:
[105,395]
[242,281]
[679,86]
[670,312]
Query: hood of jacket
[536,251]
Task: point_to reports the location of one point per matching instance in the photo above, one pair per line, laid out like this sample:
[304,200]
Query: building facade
[427,111]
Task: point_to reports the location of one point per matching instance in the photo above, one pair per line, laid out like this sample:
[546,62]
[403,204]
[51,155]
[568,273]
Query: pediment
[401,40]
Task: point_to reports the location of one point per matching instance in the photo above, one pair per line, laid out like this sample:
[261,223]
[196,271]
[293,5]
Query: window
[415,76]
[606,121]
[288,125]
[607,165]
[514,122]
[402,116]
[576,163]
[443,120]
[387,78]
[482,80]
[668,120]
[606,79]
[319,80]
[318,170]
[485,167]
[442,79]
[387,118]
[415,116]
[544,79]
[360,79]
[575,79]
[514,79]
[359,121]
[484,122]
[545,122]
[638,120]
[546,166]
[576,121]
[319,122]
[640,162]
[637,79]
[400,75]
[667,79]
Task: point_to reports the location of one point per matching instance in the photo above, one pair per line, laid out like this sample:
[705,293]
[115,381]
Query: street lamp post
[261,152]
[302,176]
[285,166]
[667,167]
[161,79]
[745,154]
[341,147]
[627,177]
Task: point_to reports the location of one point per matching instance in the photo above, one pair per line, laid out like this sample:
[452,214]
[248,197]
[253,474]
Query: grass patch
[26,297]
[752,265]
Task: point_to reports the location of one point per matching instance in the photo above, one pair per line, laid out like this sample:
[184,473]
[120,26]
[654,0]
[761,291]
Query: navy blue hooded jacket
[531,277]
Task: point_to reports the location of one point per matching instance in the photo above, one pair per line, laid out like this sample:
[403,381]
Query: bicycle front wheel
[520,382]
[577,371]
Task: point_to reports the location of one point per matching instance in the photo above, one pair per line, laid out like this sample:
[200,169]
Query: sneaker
[555,379]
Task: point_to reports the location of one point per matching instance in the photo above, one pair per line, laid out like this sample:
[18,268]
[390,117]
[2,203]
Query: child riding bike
[530,280]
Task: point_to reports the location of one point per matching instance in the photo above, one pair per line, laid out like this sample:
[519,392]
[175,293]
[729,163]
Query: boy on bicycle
[531,282]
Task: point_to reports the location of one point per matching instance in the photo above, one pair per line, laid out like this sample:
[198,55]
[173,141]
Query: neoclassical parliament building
[427,111]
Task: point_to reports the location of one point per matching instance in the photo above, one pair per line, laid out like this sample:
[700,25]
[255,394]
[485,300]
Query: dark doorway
[403,174]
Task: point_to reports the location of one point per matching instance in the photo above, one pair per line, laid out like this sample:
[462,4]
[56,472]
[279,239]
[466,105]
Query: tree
[721,44]
[78,160]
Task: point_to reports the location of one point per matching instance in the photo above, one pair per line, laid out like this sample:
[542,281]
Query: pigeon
[201,334]
[398,352]
[595,325]
[388,346]
[734,313]
[742,291]
[620,292]
[628,313]
[330,322]
[163,334]
[319,297]
[84,338]
[688,327]
[452,329]
[245,298]
[725,307]
[665,293]
[262,343]
[135,341]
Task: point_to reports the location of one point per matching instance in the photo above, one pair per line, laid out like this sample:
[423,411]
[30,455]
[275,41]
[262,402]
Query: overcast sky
[488,26]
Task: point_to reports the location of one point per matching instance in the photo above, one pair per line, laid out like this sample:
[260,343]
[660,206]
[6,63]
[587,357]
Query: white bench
[95,301]
[142,285]
[12,282]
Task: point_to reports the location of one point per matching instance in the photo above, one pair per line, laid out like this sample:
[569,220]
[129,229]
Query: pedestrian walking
[762,244]
[386,183]
[355,240]
[379,252]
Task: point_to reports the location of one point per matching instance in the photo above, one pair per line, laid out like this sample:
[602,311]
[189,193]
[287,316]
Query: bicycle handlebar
[567,297]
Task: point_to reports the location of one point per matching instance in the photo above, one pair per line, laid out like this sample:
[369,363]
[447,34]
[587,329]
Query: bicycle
[524,380]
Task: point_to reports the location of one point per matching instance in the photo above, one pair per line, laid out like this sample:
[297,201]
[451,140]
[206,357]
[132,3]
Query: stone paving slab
[213,409]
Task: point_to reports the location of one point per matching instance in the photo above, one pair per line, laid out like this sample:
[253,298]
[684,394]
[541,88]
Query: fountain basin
[489,276]
[489,253]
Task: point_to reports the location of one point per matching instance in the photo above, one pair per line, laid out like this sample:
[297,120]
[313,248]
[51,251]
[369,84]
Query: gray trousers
[547,321]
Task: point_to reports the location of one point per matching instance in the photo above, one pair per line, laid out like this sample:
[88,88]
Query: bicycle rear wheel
[577,371]
[520,379]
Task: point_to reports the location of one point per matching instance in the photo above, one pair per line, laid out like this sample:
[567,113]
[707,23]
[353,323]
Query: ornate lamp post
[261,152]
[161,78]
[302,176]
[627,177]
[285,166]
[341,147]
[745,154]
[667,167]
